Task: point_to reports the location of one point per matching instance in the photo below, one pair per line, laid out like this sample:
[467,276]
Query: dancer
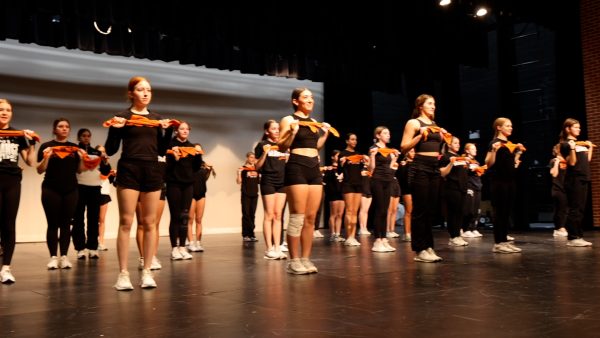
[12,144]
[333,195]
[454,172]
[271,165]
[472,200]
[352,163]
[578,155]
[422,134]
[247,178]
[141,132]
[558,170]
[303,180]
[198,205]
[60,160]
[107,181]
[503,159]
[406,195]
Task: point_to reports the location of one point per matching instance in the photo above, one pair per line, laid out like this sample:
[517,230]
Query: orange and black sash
[141,121]
[387,151]
[511,146]
[247,168]
[434,129]
[315,126]
[355,159]
[577,143]
[562,164]
[91,162]
[186,151]
[64,151]
[18,133]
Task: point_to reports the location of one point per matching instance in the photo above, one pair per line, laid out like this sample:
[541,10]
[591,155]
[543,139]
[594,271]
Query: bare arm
[287,129]
[411,135]
[554,170]
[490,157]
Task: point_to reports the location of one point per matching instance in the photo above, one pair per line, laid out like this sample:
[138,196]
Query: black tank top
[434,140]
[304,138]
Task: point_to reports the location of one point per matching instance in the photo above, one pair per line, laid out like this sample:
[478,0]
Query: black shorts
[163,192]
[366,187]
[270,189]
[348,188]
[105,199]
[395,189]
[143,176]
[303,170]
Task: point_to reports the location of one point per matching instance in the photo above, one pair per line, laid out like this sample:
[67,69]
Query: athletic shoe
[407,238]
[155,265]
[81,254]
[199,247]
[425,257]
[101,247]
[510,238]
[123,282]
[560,233]
[387,245]
[434,255]
[578,242]
[468,234]
[317,234]
[176,254]
[271,254]
[147,280]
[502,248]
[513,247]
[296,267]
[184,253]
[94,254]
[64,263]
[284,247]
[53,264]
[365,232]
[477,233]
[6,276]
[310,266]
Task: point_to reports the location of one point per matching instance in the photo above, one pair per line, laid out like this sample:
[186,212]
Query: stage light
[445,2]
[108,31]
[481,11]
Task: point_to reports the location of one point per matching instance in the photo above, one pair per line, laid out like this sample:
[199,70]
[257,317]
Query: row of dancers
[288,161]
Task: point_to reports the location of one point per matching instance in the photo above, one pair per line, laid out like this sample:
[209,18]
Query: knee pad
[294,228]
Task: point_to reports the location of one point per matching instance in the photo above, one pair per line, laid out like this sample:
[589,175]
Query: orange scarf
[433,129]
[355,159]
[186,151]
[460,158]
[562,164]
[112,172]
[273,147]
[91,163]
[247,168]
[480,170]
[141,121]
[511,146]
[315,126]
[18,133]
[387,151]
[64,151]
[583,144]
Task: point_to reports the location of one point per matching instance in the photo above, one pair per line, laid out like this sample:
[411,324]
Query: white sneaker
[407,238]
[155,265]
[468,234]
[513,247]
[147,280]
[351,242]
[94,254]
[141,263]
[502,248]
[365,232]
[102,247]
[434,255]
[387,245]
[123,282]
[296,267]
[199,247]
[578,242]
[64,263]
[457,241]
[560,233]
[379,247]
[184,253]
[310,266]
[81,254]
[53,264]
[477,233]
[425,257]
[510,238]
[284,247]
[176,255]
[271,254]
[317,234]
[281,254]
[6,276]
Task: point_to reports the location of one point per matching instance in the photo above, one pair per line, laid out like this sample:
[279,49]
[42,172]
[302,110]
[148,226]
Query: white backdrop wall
[226,111]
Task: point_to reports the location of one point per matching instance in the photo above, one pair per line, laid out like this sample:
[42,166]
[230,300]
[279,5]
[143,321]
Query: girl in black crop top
[422,134]
[303,179]
[578,155]
[137,176]
[502,160]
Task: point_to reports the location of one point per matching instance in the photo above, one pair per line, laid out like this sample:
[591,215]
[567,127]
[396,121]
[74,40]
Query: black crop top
[304,138]
[434,140]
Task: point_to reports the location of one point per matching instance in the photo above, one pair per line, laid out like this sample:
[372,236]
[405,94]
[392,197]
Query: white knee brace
[295,225]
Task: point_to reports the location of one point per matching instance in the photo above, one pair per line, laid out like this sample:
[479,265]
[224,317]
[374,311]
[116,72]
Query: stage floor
[230,290]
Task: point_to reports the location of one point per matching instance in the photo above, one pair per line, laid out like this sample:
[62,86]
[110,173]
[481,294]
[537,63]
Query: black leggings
[179,197]
[59,208]
[424,182]
[577,197]
[10,195]
[248,214]
[561,209]
[453,199]
[89,196]
[503,196]
[381,191]
[472,205]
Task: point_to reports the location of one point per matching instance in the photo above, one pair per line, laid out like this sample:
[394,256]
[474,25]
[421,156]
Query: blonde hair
[499,122]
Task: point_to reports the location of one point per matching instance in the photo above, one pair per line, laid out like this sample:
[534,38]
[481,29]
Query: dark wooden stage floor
[549,290]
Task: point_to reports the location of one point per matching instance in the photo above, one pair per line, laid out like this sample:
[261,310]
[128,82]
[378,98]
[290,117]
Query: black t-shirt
[272,171]
[139,143]
[61,173]
[474,180]
[249,182]
[305,138]
[581,169]
[382,170]
[504,166]
[332,184]
[558,182]
[457,178]
[182,171]
[10,148]
[351,171]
